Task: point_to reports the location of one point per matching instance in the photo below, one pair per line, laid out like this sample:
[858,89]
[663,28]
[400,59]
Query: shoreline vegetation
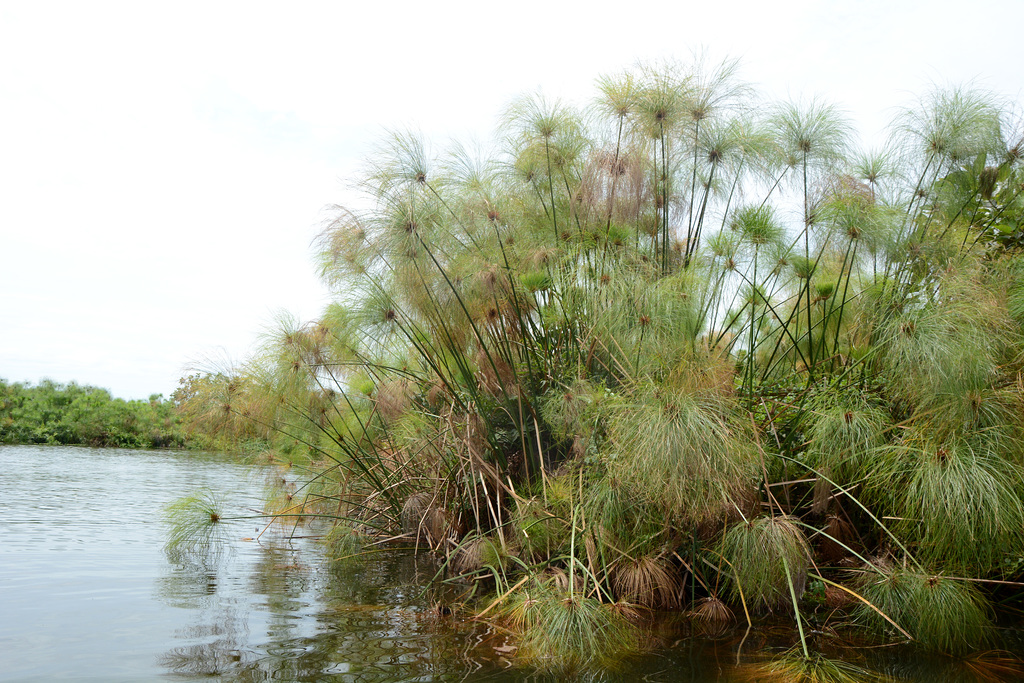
[82,415]
[681,350]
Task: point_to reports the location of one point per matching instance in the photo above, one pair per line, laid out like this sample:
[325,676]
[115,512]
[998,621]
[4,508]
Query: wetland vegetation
[72,414]
[679,351]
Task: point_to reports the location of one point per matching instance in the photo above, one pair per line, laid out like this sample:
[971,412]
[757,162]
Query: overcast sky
[165,166]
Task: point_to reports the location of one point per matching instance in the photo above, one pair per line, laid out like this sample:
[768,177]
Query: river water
[87,593]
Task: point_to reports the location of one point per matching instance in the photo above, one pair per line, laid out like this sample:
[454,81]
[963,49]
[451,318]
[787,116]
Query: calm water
[87,593]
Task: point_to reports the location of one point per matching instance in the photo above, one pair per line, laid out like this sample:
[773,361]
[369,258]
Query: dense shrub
[52,413]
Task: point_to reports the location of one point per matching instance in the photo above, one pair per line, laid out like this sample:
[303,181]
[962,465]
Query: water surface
[86,591]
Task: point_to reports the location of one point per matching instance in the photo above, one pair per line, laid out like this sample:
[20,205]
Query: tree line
[73,414]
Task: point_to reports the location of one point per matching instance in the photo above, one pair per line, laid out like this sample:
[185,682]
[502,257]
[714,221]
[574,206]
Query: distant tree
[51,413]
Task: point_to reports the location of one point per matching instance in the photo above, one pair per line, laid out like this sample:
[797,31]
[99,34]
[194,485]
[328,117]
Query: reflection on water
[86,593]
[81,538]
[359,620]
[371,620]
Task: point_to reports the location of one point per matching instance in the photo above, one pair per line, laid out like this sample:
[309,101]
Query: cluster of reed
[681,350]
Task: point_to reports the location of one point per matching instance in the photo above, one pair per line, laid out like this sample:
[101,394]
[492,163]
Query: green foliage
[624,520]
[563,633]
[343,542]
[767,558]
[682,448]
[544,528]
[196,522]
[958,501]
[944,614]
[51,413]
[845,430]
[943,359]
[845,427]
[482,553]
[603,350]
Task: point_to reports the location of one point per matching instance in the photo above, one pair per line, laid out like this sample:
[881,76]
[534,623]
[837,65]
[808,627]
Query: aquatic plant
[958,502]
[343,542]
[942,613]
[563,632]
[479,553]
[768,559]
[196,523]
[647,580]
[845,428]
[682,447]
[668,351]
[73,414]
[711,616]
[794,667]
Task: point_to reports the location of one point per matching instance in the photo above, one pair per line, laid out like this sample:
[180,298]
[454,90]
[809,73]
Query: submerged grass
[941,613]
[564,633]
[196,523]
[793,667]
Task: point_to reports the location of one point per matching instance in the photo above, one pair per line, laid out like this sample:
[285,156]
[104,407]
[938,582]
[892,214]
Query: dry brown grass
[648,580]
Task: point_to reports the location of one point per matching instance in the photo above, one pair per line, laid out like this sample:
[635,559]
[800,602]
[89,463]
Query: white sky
[164,166]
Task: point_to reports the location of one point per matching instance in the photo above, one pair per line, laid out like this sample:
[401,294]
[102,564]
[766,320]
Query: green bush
[52,413]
